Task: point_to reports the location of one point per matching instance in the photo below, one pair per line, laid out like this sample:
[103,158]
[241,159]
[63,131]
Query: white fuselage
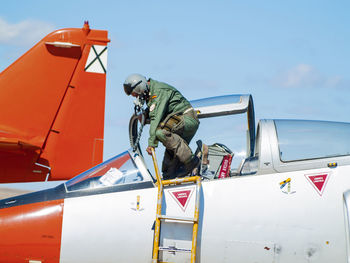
[242,219]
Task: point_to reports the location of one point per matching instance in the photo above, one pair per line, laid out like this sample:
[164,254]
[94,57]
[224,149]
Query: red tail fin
[52,102]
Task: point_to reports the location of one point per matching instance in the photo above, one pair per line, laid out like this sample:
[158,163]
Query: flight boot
[186,168]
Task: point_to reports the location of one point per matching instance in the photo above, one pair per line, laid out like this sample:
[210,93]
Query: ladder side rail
[159,209]
[195,223]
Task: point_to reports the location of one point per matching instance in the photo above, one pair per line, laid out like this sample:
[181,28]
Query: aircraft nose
[31,232]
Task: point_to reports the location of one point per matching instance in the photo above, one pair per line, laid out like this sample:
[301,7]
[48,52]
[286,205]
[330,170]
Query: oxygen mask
[139,103]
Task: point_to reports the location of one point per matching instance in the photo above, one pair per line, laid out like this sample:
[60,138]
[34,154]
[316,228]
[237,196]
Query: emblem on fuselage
[137,206]
[182,197]
[286,186]
[318,181]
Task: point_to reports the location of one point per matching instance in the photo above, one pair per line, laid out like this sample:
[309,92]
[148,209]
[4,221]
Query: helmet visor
[128,89]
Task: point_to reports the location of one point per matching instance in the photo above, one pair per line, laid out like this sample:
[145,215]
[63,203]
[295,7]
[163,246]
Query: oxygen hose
[137,141]
[134,135]
[135,132]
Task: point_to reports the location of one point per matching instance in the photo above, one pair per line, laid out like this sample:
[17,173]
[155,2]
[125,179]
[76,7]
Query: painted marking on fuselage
[283,183]
[288,183]
[136,206]
[182,196]
[318,181]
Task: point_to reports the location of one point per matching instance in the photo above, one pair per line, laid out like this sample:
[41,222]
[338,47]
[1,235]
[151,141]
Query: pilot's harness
[174,122]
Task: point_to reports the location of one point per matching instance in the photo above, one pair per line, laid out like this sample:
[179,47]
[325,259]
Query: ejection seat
[215,160]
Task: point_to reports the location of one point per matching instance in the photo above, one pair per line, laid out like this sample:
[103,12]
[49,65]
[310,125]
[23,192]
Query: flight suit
[165,104]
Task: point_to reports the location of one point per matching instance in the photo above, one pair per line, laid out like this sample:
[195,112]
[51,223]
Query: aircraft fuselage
[242,219]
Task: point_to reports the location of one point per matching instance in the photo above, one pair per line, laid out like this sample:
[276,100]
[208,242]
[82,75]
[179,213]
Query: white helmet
[135,83]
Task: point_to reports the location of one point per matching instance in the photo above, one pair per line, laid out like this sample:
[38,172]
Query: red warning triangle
[182,197]
[318,181]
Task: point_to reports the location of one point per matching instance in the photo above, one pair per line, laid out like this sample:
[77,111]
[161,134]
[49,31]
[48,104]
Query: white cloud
[300,76]
[307,76]
[23,33]
[335,81]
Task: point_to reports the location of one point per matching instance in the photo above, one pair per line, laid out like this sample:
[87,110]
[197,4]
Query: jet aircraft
[277,194]
[52,107]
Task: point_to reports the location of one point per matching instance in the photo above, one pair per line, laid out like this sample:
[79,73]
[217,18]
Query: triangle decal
[318,181]
[182,197]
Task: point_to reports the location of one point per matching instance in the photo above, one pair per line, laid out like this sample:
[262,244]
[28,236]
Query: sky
[292,56]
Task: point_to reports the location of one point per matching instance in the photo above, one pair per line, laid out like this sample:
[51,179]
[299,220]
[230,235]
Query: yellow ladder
[161,183]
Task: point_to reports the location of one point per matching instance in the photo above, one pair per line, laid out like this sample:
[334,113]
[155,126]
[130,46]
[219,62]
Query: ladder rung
[178,218]
[174,249]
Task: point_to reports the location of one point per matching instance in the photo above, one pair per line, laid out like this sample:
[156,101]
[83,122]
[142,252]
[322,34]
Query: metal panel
[115,227]
[221,105]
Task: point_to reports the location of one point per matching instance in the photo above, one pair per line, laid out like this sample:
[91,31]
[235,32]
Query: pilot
[172,121]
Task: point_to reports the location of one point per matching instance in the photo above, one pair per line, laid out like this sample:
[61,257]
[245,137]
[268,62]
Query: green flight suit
[164,100]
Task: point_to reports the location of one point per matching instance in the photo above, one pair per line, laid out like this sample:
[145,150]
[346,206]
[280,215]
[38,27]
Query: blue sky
[292,56]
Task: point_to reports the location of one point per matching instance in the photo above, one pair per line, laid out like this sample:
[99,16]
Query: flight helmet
[136,83]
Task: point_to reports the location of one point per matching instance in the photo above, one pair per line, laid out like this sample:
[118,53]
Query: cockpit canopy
[279,146]
[229,105]
[291,145]
[124,168]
